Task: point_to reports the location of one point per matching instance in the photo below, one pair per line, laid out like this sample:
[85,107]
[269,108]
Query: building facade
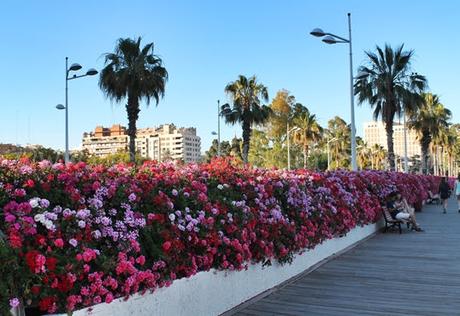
[166,142]
[105,141]
[374,133]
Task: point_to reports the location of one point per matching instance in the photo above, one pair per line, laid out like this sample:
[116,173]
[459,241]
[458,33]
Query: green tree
[213,150]
[308,130]
[246,96]
[281,106]
[259,148]
[390,87]
[136,74]
[338,131]
[235,148]
[428,121]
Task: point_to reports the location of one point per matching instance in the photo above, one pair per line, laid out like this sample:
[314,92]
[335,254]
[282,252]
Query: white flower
[35,202]
[39,218]
[220,187]
[49,225]
[172,217]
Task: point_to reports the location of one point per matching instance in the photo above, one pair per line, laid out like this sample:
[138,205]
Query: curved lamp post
[73,67]
[330,38]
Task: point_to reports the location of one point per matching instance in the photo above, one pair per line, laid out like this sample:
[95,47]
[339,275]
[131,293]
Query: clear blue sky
[205,45]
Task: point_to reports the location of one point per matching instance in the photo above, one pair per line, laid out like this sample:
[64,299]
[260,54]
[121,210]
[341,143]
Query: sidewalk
[390,274]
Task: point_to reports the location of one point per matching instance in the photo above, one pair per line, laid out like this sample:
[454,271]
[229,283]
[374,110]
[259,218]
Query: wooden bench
[433,198]
[390,222]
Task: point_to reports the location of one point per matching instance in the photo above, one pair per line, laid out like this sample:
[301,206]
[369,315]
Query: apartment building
[105,140]
[157,143]
[374,133]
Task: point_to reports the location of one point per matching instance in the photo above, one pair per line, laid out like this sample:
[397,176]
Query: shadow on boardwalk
[390,274]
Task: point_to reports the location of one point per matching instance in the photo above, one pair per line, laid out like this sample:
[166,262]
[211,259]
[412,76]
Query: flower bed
[78,235]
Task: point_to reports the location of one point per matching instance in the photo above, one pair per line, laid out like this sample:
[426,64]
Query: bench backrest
[387,215]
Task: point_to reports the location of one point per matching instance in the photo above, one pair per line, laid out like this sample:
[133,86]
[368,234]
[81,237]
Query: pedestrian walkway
[389,274]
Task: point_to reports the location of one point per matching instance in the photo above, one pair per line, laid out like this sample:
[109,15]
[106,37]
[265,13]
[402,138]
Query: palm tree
[246,95]
[428,121]
[308,130]
[135,74]
[378,157]
[390,87]
[339,130]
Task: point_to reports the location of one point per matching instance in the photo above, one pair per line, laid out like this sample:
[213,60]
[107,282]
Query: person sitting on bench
[398,213]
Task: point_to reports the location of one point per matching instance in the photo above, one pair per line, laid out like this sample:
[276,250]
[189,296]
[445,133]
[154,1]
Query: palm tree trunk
[246,139]
[305,151]
[132,108]
[425,145]
[391,153]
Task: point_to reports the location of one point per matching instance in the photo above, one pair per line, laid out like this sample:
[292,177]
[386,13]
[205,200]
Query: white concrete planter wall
[215,292]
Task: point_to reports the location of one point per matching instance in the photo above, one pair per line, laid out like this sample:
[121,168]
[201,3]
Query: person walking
[457,191]
[444,192]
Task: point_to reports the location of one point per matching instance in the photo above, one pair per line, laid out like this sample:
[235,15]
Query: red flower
[36,261]
[15,240]
[51,263]
[35,290]
[29,183]
[166,246]
[47,303]
[59,243]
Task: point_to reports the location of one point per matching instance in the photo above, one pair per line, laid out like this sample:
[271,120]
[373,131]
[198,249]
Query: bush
[79,235]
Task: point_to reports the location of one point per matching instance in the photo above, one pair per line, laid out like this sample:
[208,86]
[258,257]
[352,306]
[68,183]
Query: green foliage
[390,87]
[33,153]
[339,135]
[134,73]
[246,95]
[232,149]
[9,271]
[431,122]
[112,159]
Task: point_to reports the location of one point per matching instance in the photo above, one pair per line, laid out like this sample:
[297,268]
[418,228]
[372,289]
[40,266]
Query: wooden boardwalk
[389,274]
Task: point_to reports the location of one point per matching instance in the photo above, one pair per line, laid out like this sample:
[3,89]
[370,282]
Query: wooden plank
[390,274]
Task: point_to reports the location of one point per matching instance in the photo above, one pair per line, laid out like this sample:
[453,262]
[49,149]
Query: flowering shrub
[78,235]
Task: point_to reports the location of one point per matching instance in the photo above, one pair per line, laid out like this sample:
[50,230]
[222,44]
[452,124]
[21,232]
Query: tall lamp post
[330,38]
[288,132]
[218,129]
[73,67]
[406,162]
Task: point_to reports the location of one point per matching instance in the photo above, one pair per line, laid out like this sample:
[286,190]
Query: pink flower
[59,243]
[109,298]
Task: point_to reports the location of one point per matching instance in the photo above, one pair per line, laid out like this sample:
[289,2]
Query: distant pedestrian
[457,191]
[444,192]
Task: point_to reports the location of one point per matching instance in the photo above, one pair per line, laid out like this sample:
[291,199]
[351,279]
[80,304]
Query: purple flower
[132,197]
[14,302]
[81,224]
[106,221]
[174,192]
[73,242]
[44,203]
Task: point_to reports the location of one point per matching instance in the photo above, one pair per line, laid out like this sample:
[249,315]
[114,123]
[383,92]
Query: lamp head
[60,107]
[75,67]
[91,72]
[317,32]
[329,40]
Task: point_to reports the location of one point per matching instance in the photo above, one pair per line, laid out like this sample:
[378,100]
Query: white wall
[215,292]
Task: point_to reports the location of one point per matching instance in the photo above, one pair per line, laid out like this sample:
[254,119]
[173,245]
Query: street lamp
[73,67]
[328,151]
[330,38]
[288,132]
